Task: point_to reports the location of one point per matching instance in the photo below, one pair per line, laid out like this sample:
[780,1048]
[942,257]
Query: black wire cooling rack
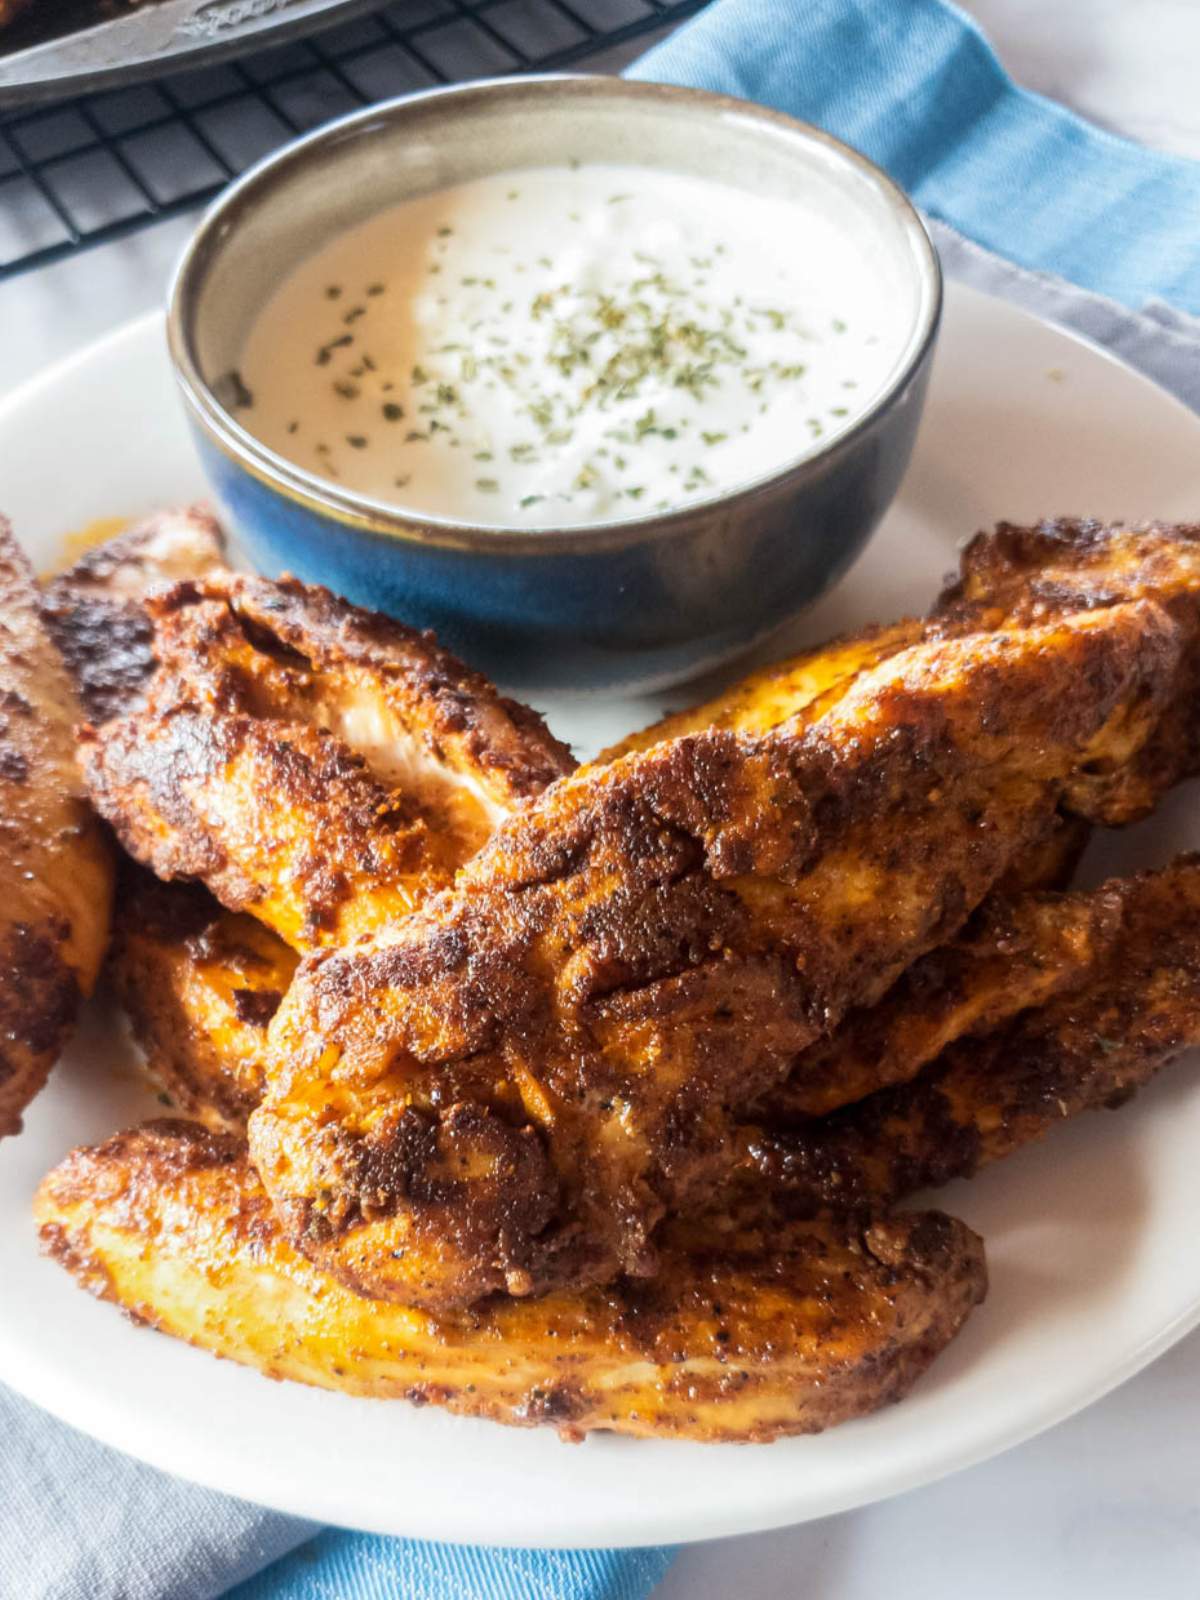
[89,170]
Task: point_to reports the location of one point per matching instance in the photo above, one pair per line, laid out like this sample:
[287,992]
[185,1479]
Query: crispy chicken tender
[199,984]
[1025,575]
[525,1076]
[95,612]
[55,866]
[803,687]
[753,1328]
[1014,954]
[1011,577]
[981,1100]
[805,683]
[315,764]
[970,985]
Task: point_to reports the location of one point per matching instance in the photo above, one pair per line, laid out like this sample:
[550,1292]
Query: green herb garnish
[326,350]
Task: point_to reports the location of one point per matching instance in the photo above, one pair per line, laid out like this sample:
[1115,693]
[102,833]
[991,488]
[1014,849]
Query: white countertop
[1107,1506]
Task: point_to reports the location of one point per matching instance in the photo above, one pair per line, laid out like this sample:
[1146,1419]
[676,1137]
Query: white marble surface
[1129,65]
[1104,1507]
[1107,1506]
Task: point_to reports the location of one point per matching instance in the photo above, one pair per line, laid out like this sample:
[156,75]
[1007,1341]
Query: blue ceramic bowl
[634,604]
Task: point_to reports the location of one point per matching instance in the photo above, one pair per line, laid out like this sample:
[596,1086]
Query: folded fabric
[1004,174]
[915,85]
[81,1522]
[350,1566]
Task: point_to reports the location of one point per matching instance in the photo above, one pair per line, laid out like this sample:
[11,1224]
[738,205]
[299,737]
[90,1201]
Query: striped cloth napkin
[1026,200]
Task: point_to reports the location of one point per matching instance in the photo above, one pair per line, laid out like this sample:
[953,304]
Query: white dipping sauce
[569,345]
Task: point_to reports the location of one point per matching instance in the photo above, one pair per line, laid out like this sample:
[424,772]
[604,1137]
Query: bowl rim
[390,521]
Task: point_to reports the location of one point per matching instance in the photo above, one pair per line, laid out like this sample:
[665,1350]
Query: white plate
[1090,1237]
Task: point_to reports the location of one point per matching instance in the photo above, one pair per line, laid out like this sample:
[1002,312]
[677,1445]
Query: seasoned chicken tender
[95,612]
[1025,575]
[754,1328]
[1012,577]
[319,766]
[55,865]
[1014,954]
[1050,861]
[511,1088]
[981,1100]
[200,984]
[805,683]
[320,852]
[196,981]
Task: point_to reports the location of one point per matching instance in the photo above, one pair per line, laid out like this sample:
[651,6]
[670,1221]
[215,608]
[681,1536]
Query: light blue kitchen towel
[1025,200]
[915,85]
[344,1566]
